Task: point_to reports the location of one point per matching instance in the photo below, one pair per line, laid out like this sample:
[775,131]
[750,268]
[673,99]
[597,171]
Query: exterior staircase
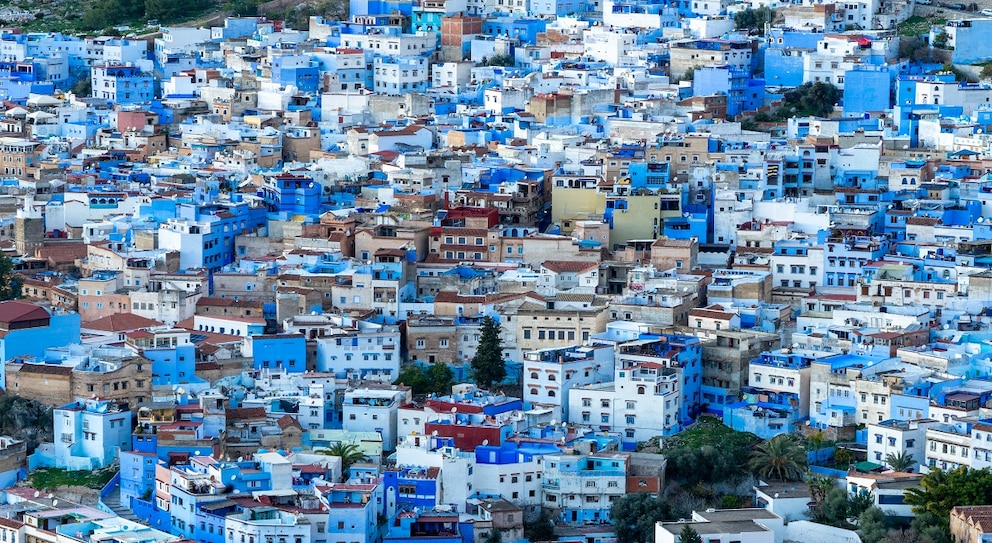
[113,502]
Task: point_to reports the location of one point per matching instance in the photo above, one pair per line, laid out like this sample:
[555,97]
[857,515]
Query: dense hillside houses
[490,272]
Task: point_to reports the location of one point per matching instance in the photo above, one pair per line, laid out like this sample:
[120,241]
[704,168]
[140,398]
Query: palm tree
[900,461]
[348,452]
[781,457]
[819,487]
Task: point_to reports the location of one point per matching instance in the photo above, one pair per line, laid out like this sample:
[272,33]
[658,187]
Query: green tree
[10,282]
[348,452]
[862,501]
[941,490]
[689,535]
[173,10]
[540,529]
[781,457]
[493,536]
[436,378]
[900,461]
[634,517]
[843,457]
[83,87]
[505,60]
[872,525]
[834,509]
[243,8]
[754,19]
[819,487]
[104,13]
[706,464]
[488,367]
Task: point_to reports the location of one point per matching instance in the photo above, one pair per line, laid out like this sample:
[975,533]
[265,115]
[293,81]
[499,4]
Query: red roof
[121,322]
[569,266]
[15,311]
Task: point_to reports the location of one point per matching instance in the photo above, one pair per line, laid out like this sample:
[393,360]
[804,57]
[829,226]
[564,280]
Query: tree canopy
[872,525]
[635,515]
[107,13]
[810,99]
[10,282]
[708,452]
[781,458]
[436,378]
[754,19]
[689,535]
[900,461]
[941,490]
[348,452]
[488,367]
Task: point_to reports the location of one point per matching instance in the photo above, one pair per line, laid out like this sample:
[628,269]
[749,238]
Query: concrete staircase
[113,501]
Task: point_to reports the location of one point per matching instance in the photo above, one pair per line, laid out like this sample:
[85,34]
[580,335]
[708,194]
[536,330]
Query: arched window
[533,391]
[551,394]
[551,377]
[640,390]
[533,375]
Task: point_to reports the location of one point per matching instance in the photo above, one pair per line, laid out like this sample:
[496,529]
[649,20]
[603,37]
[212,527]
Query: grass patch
[917,26]
[713,432]
[50,478]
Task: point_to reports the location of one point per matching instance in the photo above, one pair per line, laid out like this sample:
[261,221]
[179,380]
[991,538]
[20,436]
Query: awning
[867,466]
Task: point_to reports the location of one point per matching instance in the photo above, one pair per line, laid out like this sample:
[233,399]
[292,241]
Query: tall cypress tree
[488,367]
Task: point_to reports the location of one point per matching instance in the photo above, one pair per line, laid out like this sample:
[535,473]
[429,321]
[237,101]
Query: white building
[267,523]
[375,410]
[370,353]
[613,47]
[400,74]
[888,490]
[894,437]
[550,375]
[948,447]
[88,434]
[645,399]
[725,526]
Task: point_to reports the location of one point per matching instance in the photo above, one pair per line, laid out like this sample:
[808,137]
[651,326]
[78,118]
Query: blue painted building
[122,84]
[406,488]
[173,364]
[525,30]
[279,351]
[292,194]
[784,52]
[28,330]
[137,477]
[867,88]
[742,92]
[843,260]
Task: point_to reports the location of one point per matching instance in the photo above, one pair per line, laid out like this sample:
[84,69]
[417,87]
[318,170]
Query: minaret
[29,228]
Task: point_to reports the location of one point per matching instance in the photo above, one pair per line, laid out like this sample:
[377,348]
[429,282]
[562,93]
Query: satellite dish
[553,422]
[36,493]
[234,477]
[485,442]
[180,391]
[434,433]
[54,503]
[454,409]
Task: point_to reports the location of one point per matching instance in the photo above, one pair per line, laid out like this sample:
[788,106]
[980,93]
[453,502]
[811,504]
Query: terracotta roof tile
[121,322]
[569,266]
